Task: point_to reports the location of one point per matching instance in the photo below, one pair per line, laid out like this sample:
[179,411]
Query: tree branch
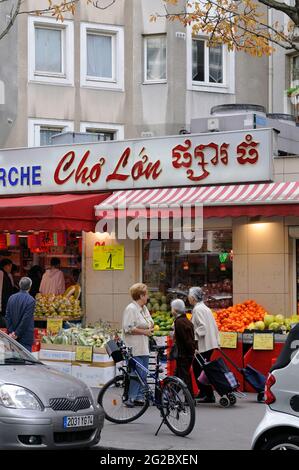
[13,17]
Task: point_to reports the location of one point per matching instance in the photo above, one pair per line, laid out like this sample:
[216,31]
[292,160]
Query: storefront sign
[189,160]
[228,340]
[54,326]
[84,353]
[263,341]
[110,257]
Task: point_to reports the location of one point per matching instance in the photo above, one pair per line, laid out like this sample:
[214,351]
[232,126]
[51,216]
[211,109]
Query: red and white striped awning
[218,201]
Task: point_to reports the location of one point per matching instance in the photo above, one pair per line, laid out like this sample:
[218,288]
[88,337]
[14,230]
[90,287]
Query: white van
[279,429]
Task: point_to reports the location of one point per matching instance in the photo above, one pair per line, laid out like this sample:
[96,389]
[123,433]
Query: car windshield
[12,353]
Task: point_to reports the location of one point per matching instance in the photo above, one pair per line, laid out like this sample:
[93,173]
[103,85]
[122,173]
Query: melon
[274,326]
[279,319]
[268,319]
[260,325]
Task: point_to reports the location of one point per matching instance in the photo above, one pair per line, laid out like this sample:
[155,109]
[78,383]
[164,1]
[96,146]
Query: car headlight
[12,396]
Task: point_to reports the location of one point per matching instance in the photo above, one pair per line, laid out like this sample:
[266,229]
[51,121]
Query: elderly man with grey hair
[207,338]
[184,340]
[20,315]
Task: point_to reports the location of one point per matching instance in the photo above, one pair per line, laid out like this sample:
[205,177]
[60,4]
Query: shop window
[155,59]
[168,268]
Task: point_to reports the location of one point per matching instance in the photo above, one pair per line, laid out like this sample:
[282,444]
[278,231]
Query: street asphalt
[216,428]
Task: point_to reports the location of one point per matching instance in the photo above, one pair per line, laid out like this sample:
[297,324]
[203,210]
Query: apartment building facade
[116,73]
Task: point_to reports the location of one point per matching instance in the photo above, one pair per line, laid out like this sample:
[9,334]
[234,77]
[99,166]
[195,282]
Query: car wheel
[282,442]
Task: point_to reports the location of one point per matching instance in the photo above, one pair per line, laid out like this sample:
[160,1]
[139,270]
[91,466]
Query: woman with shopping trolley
[207,339]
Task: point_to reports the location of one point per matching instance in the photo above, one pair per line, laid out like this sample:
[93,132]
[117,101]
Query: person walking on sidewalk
[184,340]
[20,315]
[137,326]
[207,338]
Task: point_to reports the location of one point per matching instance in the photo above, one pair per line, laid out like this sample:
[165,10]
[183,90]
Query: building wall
[107,292]
[161,109]
[8,79]
[262,255]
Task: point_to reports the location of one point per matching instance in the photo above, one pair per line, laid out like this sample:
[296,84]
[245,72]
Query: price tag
[228,339]
[84,353]
[107,258]
[263,341]
[54,325]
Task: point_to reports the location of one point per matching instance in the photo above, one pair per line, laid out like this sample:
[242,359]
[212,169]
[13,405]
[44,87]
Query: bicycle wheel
[112,397]
[178,407]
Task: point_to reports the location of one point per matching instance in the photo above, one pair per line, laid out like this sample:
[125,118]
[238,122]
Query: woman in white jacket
[206,336]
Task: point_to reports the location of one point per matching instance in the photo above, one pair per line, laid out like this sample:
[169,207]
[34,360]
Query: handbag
[173,353]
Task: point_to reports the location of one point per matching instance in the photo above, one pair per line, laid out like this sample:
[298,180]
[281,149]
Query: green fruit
[149,306]
[268,319]
[163,308]
[260,325]
[274,326]
[279,319]
[163,299]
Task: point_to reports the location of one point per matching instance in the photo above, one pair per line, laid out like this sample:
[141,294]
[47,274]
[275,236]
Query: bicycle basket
[114,351]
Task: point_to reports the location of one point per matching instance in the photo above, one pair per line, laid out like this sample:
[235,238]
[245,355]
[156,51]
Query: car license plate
[77,421]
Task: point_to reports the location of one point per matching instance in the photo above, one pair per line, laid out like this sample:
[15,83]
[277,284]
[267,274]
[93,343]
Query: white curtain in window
[215,64]
[198,60]
[48,50]
[99,56]
[156,58]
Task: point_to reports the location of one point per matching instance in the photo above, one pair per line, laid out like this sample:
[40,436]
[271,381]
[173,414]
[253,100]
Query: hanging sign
[84,353]
[263,341]
[54,325]
[228,339]
[109,258]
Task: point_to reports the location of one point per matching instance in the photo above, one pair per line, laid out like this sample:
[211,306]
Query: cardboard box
[56,355]
[92,375]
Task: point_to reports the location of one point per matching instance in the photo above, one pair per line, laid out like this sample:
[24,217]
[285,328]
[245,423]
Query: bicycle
[170,395]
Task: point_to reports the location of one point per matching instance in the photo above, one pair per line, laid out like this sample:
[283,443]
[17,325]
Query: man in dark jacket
[184,339]
[20,315]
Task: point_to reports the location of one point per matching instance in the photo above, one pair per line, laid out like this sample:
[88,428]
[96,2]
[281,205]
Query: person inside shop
[185,343]
[206,337]
[6,287]
[20,315]
[137,327]
[35,273]
[53,279]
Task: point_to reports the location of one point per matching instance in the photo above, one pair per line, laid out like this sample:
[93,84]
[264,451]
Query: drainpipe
[270,69]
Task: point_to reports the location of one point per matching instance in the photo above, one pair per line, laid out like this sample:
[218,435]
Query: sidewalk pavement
[215,428]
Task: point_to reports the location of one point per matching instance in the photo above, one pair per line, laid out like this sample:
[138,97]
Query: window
[48,50]
[155,59]
[47,57]
[102,56]
[104,131]
[209,69]
[167,267]
[207,62]
[40,131]
[295,70]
